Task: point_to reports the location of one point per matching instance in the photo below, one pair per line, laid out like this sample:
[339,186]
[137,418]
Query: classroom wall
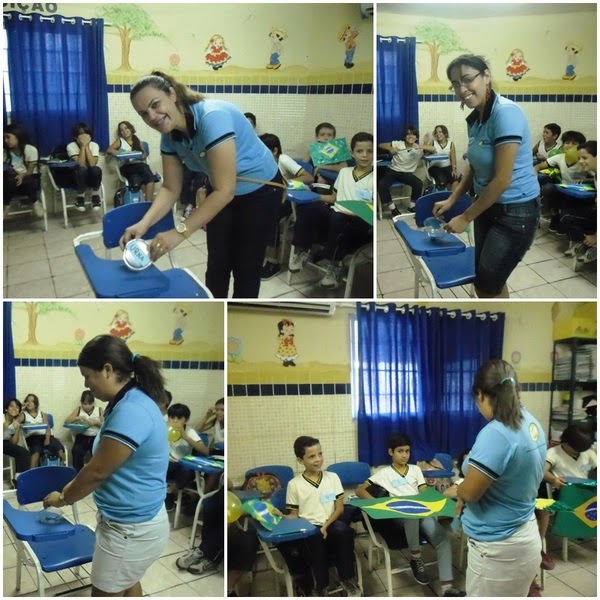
[48,337]
[270,405]
[542,92]
[311,85]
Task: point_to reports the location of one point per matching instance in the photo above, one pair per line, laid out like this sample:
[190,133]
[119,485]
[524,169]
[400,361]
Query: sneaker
[351,588]
[535,591]
[299,260]
[576,250]
[333,277]
[170,502]
[187,211]
[418,570]
[202,566]
[411,207]
[394,211]
[38,209]
[554,224]
[547,562]
[452,592]
[80,203]
[96,204]
[270,270]
[588,256]
[192,556]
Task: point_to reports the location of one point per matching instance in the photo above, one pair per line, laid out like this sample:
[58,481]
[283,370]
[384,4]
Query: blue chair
[305,165]
[352,473]
[46,547]
[112,279]
[444,262]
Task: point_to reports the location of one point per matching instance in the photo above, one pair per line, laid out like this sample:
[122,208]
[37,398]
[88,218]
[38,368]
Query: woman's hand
[134,232]
[439,208]
[53,499]
[164,242]
[457,225]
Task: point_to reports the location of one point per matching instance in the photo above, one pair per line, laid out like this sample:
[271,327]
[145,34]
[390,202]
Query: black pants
[390,176]
[29,187]
[441,175]
[87,177]
[237,239]
[137,174]
[81,446]
[213,537]
[312,556]
[312,224]
[192,182]
[20,454]
[285,210]
[242,547]
[346,235]
[579,220]
[35,443]
[179,475]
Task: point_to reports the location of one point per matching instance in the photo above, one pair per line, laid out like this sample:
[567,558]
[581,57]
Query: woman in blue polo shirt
[128,469]
[241,209]
[506,211]
[502,474]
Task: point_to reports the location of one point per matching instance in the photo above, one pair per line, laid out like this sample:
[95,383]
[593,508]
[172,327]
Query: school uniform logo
[534,432]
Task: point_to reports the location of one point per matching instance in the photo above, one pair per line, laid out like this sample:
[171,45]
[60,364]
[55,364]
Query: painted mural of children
[277,35]
[348,35]
[516,67]
[181,315]
[120,326]
[286,351]
[218,55]
[572,49]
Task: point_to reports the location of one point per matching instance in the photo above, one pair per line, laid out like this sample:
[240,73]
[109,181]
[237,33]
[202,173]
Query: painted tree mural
[130,23]
[439,39]
[38,309]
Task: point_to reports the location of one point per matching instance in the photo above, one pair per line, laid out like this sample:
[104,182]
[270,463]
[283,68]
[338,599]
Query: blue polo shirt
[135,492]
[503,122]
[514,460]
[211,123]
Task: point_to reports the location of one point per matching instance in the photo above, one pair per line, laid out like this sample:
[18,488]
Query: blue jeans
[503,234]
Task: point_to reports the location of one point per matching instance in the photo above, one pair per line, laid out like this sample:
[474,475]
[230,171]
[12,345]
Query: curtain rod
[450,313]
[398,39]
[70,20]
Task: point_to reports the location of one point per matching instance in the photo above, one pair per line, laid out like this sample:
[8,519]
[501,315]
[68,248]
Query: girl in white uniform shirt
[89,414]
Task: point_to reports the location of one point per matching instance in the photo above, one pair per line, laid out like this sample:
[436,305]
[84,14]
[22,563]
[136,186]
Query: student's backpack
[264,483]
[126,195]
[59,152]
[49,459]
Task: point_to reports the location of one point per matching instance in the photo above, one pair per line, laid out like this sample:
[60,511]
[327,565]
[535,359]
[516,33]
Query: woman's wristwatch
[183,230]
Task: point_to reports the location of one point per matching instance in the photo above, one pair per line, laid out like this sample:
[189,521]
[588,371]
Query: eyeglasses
[465,81]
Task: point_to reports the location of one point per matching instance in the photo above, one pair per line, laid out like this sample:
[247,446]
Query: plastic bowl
[434,227]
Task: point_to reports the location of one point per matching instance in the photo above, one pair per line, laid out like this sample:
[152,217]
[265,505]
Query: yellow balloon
[234,508]
[571,157]
[173,434]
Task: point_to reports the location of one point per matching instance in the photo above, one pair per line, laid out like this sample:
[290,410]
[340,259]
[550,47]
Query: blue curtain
[416,369]
[397,94]
[57,77]
[8,366]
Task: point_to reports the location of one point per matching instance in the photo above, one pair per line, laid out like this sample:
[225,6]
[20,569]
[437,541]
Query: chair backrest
[424,206]
[351,473]
[117,220]
[204,438]
[278,498]
[305,165]
[35,484]
[284,473]
[146,148]
[50,420]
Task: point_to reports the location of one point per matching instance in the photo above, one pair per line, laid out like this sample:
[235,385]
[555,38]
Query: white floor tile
[581,580]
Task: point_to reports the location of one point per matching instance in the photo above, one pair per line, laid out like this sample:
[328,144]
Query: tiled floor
[577,577]
[40,264]
[162,579]
[543,273]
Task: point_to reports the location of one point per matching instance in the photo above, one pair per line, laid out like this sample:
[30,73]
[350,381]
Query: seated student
[443,172]
[322,222]
[402,479]
[571,171]
[13,418]
[207,557]
[89,414]
[579,221]
[215,420]
[317,496]
[548,143]
[289,169]
[574,457]
[21,177]
[323,133]
[138,173]
[188,441]
[88,174]
[406,158]
[38,442]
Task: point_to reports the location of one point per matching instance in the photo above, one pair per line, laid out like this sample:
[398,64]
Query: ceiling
[479,11]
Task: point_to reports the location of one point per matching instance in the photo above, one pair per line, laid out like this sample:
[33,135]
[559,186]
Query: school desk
[576,190]
[34,428]
[433,158]
[133,155]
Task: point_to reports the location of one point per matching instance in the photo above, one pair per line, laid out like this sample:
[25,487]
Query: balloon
[173,434]
[234,508]
[571,157]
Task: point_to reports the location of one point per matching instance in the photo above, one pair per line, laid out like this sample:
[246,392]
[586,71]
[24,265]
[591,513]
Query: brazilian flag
[429,503]
[581,522]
